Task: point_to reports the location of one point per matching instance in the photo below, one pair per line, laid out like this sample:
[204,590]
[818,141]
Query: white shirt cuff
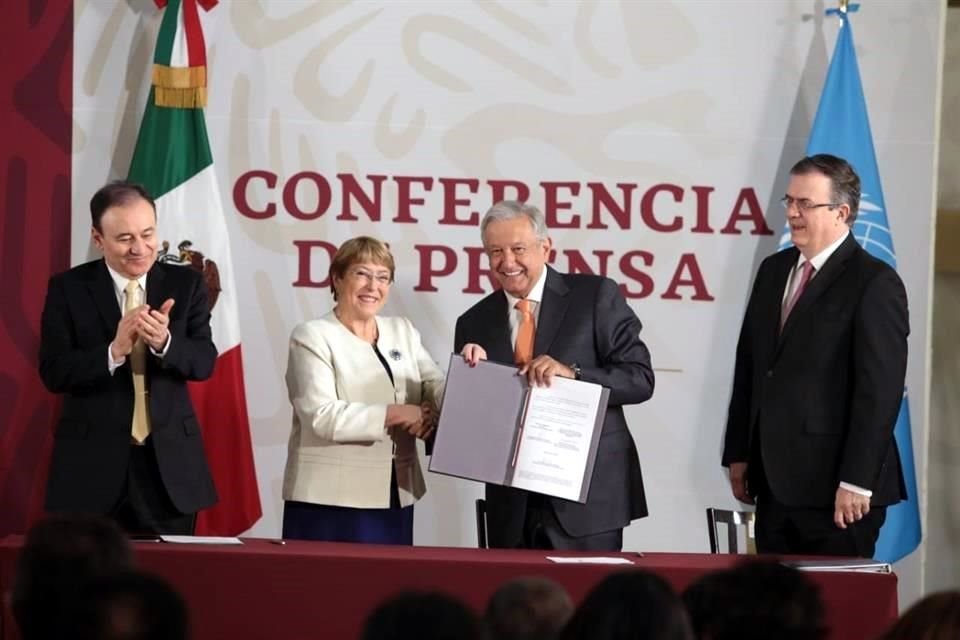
[113,365]
[856,489]
[166,347]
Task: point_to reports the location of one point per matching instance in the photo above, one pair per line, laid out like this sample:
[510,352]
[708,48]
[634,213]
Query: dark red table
[311,590]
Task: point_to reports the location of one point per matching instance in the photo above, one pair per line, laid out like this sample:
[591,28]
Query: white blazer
[340,453]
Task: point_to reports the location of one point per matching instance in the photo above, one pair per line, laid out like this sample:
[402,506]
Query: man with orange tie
[574,326]
[819,378]
[120,338]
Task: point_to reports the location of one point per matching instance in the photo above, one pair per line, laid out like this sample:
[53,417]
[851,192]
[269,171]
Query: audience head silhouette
[422,615]
[628,605]
[60,556]
[756,600]
[528,609]
[130,606]
[935,617]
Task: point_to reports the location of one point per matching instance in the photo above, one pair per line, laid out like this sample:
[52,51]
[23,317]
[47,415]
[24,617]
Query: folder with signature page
[494,427]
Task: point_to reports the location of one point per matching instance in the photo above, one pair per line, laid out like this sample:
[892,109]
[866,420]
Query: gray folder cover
[479,424]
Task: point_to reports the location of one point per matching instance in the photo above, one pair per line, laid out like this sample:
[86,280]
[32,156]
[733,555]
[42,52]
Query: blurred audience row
[75,578]
[757,600]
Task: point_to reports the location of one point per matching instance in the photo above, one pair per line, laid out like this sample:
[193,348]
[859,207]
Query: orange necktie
[523,349]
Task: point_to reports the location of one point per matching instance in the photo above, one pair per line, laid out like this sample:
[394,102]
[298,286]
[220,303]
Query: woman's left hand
[473,353]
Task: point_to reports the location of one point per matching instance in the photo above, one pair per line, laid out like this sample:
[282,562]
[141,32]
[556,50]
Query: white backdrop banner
[656,136]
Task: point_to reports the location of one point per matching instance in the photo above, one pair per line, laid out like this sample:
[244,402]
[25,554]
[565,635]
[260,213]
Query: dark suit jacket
[824,394]
[582,319]
[91,448]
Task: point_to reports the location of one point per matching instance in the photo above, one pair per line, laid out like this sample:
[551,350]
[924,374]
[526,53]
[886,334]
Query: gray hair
[512,209]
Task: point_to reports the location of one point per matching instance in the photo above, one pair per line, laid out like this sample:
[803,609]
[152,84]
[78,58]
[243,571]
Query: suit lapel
[498,329]
[553,308]
[156,286]
[831,270]
[104,295]
[158,290]
[774,298]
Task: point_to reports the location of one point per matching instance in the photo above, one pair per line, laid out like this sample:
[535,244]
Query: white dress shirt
[817,261]
[535,297]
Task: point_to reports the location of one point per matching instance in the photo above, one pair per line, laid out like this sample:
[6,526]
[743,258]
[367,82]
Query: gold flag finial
[843,5]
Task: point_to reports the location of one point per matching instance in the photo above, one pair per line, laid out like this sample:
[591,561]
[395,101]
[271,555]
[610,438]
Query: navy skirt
[307,521]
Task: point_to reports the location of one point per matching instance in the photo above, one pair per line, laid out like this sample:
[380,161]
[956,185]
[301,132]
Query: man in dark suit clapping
[120,338]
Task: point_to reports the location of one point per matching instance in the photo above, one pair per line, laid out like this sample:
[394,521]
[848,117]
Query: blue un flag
[842,128]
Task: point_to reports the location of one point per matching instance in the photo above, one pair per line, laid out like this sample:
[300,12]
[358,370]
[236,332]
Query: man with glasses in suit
[818,379]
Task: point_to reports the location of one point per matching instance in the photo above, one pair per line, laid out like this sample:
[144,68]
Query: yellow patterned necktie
[140,428]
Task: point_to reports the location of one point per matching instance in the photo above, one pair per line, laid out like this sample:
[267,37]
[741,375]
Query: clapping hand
[127,333]
[153,325]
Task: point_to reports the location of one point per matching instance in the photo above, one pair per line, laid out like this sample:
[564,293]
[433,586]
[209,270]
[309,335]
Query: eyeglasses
[382,278]
[803,205]
[517,250]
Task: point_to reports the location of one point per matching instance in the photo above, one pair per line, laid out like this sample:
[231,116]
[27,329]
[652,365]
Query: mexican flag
[172,160]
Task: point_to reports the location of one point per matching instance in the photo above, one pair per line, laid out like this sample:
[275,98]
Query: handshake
[417,420]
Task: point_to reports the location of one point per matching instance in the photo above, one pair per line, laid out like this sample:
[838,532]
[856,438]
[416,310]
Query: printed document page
[555,441]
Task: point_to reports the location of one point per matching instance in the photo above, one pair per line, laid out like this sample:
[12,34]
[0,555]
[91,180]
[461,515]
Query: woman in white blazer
[363,389]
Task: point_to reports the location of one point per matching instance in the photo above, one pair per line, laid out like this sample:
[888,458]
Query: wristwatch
[576,371]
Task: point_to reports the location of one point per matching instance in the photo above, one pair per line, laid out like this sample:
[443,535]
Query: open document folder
[857,565]
[496,428]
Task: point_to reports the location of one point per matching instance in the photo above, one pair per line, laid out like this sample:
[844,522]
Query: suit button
[769,373]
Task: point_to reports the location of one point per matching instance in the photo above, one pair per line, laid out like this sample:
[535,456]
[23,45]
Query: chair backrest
[733,520]
[481,506]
